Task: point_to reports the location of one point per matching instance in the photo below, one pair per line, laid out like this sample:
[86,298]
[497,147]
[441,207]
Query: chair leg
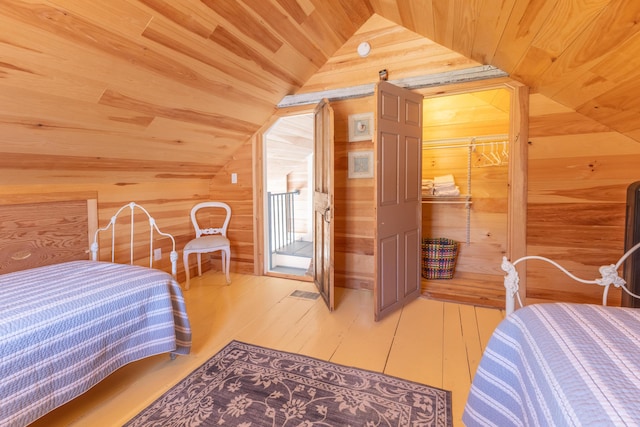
[226,260]
[199,255]
[185,261]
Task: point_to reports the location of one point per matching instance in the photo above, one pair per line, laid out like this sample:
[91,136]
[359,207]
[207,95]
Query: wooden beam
[482,72]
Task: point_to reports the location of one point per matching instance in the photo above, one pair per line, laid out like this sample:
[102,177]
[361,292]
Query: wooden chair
[208,239]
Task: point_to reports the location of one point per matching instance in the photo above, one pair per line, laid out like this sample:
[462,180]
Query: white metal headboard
[152,226]
[609,277]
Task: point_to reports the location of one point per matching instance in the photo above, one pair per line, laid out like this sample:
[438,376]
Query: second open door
[398,198]
[323,213]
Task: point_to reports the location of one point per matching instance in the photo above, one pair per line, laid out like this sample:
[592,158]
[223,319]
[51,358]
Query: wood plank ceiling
[180,84]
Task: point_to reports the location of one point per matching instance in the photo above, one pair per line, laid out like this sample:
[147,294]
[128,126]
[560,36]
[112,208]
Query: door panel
[389,271]
[323,234]
[388,159]
[398,204]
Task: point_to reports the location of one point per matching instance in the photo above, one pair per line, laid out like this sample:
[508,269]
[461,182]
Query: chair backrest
[205,205]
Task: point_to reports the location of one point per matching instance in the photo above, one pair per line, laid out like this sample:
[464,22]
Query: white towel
[448,192]
[443,180]
[445,187]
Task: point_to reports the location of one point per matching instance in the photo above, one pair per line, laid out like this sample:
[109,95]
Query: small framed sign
[361,164]
[361,127]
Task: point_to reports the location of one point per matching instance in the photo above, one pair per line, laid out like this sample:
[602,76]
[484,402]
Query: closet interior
[465,158]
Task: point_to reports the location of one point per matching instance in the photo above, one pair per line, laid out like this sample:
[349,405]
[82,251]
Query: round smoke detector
[363,49]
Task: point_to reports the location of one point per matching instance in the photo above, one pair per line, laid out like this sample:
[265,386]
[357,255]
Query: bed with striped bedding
[559,364]
[65,327]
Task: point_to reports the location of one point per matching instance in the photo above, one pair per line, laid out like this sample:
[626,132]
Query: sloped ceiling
[179,84]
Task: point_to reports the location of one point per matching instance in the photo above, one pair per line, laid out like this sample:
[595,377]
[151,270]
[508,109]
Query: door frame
[518,157]
[259,192]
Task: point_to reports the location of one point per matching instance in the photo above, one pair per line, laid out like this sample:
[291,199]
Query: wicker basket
[439,258]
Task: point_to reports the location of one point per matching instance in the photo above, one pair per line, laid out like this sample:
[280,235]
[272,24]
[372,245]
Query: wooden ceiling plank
[390,9]
[443,22]
[165,128]
[342,24]
[41,110]
[186,20]
[622,66]
[142,145]
[285,28]
[603,77]
[245,22]
[205,52]
[119,100]
[525,21]
[618,22]
[293,9]
[492,20]
[358,11]
[124,17]
[25,68]
[564,25]
[414,16]
[465,25]
[617,108]
[584,87]
[319,28]
[296,64]
[89,35]
[228,41]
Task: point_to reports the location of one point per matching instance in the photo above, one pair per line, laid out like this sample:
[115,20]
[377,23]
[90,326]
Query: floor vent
[304,294]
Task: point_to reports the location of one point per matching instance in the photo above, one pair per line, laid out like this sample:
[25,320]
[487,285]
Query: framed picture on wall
[361,164]
[361,127]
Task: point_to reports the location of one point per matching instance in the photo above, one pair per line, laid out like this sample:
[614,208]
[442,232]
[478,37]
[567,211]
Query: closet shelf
[464,199]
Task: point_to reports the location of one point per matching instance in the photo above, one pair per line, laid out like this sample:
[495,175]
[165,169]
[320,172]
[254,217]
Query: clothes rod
[466,142]
[468,139]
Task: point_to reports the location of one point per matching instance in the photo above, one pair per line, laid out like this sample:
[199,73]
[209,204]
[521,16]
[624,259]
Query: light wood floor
[430,342]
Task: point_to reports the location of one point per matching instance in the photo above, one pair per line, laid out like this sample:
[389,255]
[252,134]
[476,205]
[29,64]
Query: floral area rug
[246,385]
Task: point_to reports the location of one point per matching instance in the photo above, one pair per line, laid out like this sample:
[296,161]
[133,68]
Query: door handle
[326,216]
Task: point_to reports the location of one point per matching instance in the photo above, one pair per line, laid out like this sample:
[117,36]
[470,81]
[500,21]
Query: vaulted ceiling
[180,84]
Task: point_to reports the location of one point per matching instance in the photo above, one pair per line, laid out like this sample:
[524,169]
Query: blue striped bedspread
[559,365]
[65,327]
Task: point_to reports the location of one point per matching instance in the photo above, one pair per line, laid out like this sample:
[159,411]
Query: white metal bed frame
[152,226]
[609,277]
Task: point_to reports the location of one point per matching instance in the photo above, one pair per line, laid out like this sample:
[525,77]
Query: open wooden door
[323,213]
[398,197]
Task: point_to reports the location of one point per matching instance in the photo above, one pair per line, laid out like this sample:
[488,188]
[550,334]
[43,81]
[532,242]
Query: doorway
[288,183]
[477,140]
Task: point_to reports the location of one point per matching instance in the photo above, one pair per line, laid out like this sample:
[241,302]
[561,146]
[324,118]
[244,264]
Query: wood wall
[579,171]
[169,200]
[354,203]
[240,196]
[578,174]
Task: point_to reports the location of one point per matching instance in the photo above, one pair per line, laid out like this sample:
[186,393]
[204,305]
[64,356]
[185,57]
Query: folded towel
[449,192]
[445,179]
[445,187]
